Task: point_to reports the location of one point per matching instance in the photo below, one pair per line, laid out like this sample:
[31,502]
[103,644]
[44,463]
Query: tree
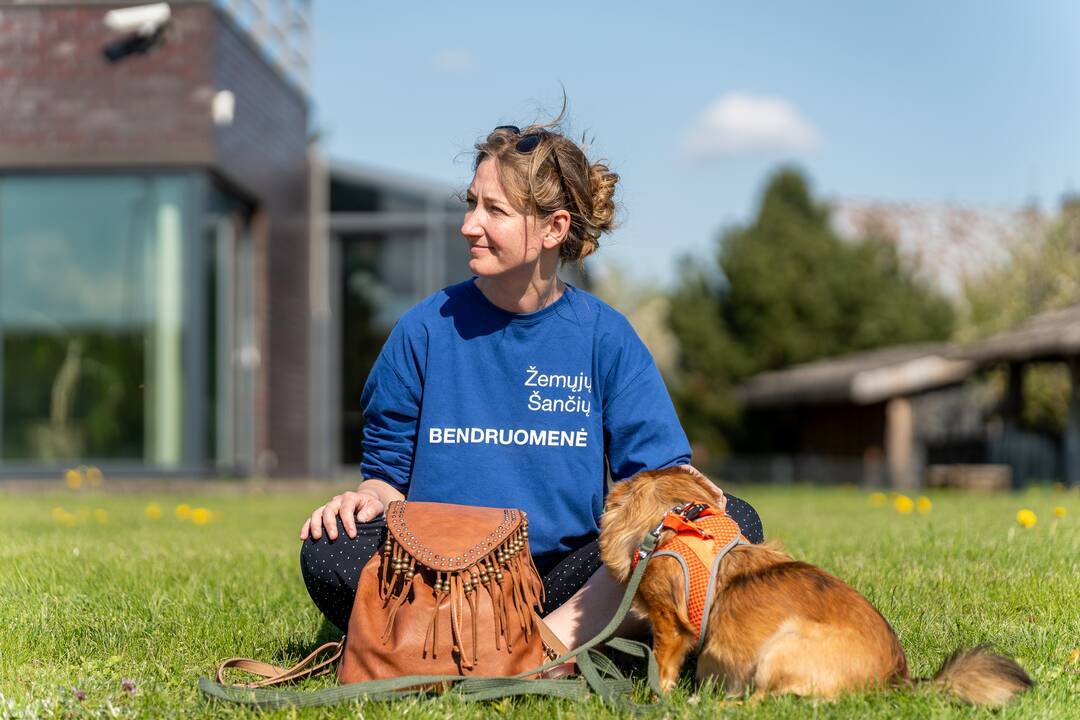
[647,307]
[1041,274]
[788,290]
[710,361]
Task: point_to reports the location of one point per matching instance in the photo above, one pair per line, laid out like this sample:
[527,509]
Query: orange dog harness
[703,536]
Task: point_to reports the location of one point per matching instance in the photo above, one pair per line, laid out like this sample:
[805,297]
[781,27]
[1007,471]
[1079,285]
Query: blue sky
[694,104]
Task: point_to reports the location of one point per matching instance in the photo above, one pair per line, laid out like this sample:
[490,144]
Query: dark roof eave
[848,381]
[1050,336]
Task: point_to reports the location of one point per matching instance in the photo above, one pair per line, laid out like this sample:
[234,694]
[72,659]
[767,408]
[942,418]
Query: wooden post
[1014,395]
[1072,427]
[900,444]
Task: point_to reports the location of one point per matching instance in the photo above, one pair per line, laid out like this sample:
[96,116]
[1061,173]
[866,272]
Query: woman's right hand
[360,506]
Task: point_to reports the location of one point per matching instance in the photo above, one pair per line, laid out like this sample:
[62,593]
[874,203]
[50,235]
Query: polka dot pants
[331,568]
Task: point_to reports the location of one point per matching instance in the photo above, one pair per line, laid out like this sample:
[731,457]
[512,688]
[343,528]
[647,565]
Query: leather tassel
[512,582]
[456,608]
[521,602]
[399,599]
[384,569]
[538,585]
[455,620]
[471,594]
[488,578]
[530,592]
[433,626]
[503,613]
[397,563]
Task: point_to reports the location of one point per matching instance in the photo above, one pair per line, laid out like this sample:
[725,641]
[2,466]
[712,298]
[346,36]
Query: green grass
[161,601]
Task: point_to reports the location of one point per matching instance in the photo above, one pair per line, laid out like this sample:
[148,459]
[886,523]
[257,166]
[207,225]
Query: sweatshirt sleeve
[391,407]
[641,429]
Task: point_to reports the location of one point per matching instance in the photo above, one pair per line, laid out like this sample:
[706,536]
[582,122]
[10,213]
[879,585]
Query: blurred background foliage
[787,289]
[1042,273]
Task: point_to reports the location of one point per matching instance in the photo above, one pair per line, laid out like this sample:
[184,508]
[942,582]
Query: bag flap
[448,537]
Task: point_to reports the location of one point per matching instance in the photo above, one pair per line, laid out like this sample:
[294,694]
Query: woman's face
[501,239]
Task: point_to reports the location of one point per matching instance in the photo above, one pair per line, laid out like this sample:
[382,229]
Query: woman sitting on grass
[511,389]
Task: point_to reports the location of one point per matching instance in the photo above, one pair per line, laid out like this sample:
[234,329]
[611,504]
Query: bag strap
[549,638]
[274,675]
[598,673]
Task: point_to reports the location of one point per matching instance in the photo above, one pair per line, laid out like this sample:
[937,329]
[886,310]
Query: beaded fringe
[506,573]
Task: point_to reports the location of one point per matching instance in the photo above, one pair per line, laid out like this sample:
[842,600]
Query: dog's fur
[776,625]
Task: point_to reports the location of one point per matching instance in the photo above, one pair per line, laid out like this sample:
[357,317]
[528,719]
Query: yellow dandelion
[1074,656]
[1026,518]
[200,516]
[73,478]
[183,511]
[69,519]
[923,504]
[903,504]
[153,511]
[101,515]
[95,477]
[878,499]
[1059,512]
[58,514]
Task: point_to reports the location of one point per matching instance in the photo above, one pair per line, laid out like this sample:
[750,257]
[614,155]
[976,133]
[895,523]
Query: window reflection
[91,318]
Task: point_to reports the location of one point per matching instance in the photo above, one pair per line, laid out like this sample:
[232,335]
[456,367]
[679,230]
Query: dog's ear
[614,502]
[618,494]
[621,527]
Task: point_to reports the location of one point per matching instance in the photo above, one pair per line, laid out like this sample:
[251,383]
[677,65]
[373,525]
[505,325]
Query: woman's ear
[555,229]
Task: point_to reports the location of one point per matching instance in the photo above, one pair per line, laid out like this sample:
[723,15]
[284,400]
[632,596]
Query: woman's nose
[470,227]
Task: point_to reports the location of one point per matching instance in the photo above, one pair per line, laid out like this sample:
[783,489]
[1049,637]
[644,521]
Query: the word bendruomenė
[505,436]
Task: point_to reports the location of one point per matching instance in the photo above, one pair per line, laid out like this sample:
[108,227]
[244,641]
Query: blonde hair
[554,175]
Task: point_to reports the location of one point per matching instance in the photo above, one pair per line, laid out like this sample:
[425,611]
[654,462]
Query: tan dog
[775,624]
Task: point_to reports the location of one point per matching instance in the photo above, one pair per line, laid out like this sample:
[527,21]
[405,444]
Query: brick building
[152,229]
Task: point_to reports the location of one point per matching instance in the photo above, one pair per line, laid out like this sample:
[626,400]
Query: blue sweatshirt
[471,404]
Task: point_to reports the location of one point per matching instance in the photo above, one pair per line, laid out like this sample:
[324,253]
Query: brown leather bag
[451,593]
[449,602]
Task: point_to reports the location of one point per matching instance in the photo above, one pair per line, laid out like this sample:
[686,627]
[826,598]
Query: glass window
[230,332]
[91,318]
[381,279]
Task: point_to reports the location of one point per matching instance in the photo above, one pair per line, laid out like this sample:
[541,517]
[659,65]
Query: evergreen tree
[789,290]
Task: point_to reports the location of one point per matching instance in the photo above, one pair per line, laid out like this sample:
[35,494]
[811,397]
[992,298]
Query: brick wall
[64,104]
[265,151]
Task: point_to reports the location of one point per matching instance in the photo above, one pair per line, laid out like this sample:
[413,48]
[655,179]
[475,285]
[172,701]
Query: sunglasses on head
[528,142]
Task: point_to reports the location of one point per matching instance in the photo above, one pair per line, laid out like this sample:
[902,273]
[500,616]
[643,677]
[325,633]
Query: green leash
[598,673]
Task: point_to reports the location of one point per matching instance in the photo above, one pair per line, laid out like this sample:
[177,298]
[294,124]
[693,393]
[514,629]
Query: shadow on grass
[328,632]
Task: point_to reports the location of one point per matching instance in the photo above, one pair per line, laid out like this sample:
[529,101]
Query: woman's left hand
[722,505]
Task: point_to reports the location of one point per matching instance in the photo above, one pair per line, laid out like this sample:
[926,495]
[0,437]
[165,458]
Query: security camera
[142,25]
[143,20]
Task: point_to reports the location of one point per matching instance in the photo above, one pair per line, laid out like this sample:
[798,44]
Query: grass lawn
[101,592]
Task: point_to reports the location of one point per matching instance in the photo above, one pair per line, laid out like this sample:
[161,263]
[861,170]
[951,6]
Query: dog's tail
[981,677]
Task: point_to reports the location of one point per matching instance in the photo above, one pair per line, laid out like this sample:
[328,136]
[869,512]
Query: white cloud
[454,60]
[738,124]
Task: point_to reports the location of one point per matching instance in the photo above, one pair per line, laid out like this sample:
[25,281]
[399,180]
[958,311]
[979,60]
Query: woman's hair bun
[602,183]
